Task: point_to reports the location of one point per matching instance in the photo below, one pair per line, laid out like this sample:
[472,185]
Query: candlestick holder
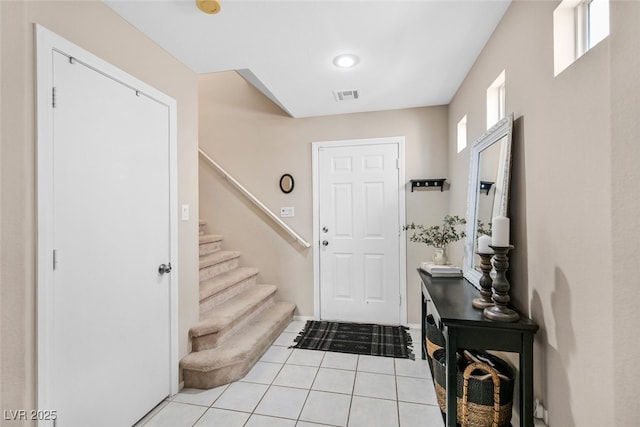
[499,311]
[485,283]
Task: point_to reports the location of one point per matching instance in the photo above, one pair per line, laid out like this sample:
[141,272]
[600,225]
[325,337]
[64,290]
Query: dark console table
[463,326]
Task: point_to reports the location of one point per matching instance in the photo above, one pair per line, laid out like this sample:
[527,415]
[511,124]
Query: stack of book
[436,270]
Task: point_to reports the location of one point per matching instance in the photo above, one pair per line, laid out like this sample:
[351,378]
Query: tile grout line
[253,411]
[353,389]
[310,387]
[395,374]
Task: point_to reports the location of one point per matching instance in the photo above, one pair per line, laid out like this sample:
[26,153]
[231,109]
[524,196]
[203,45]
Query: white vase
[440,256]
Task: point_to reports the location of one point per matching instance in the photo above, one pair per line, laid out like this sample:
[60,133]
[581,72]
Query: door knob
[325,243]
[164,268]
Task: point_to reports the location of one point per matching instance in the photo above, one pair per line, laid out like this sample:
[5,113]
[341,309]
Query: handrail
[254,200]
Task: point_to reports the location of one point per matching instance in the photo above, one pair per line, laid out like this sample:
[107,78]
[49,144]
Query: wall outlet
[287,212]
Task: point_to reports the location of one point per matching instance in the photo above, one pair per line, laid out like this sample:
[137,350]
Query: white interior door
[359,233]
[111,231]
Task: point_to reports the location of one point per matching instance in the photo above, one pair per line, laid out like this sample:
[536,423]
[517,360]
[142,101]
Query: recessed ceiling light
[347,60]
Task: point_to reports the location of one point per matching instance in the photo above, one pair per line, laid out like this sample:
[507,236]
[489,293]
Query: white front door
[359,232]
[111,231]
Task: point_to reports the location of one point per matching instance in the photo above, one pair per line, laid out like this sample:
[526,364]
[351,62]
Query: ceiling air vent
[345,95]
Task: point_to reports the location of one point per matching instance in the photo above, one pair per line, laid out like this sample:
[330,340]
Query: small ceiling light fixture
[347,60]
[209,6]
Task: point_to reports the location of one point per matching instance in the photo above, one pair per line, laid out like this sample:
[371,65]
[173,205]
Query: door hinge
[397,163]
[400,299]
[55,258]
[53,97]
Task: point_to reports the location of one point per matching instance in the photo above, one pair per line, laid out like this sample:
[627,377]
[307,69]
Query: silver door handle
[164,268]
[325,243]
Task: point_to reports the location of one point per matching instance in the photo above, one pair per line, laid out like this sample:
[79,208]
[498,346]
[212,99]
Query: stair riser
[230,373]
[214,270]
[206,342]
[215,378]
[209,248]
[207,304]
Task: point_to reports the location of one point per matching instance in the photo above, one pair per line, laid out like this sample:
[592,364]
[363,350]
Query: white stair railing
[254,199]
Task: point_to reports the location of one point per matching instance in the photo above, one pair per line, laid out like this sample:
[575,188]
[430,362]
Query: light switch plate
[185,213]
[287,212]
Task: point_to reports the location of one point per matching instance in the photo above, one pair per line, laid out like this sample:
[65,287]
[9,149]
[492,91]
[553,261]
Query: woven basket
[482,400]
[435,339]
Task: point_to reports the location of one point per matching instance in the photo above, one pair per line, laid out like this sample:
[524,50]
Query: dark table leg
[452,347]
[526,381]
[423,344]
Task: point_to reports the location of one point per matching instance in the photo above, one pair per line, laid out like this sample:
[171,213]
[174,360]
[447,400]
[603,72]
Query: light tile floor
[306,388]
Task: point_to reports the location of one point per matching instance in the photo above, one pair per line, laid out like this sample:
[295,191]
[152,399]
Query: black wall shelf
[426,183]
[485,186]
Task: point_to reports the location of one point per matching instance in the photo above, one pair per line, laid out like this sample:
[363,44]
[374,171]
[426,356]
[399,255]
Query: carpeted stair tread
[230,311]
[223,281]
[209,238]
[245,346]
[209,243]
[240,319]
[217,258]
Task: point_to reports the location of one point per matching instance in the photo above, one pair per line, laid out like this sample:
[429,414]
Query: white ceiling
[412,53]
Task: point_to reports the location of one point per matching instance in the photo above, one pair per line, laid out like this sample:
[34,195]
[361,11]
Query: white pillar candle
[483,244]
[500,231]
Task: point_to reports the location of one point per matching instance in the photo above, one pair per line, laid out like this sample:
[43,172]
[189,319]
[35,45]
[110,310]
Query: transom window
[578,25]
[496,100]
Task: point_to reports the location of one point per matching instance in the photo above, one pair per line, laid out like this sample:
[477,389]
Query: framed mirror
[286,183]
[488,193]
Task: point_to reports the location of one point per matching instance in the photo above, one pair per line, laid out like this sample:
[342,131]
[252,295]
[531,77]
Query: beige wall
[92,26]
[574,219]
[256,142]
[625,159]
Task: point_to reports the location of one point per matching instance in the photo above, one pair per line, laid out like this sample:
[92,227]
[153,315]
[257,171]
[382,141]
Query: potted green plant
[484,229]
[438,236]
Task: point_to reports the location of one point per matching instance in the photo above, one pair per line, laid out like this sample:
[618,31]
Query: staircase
[239,319]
